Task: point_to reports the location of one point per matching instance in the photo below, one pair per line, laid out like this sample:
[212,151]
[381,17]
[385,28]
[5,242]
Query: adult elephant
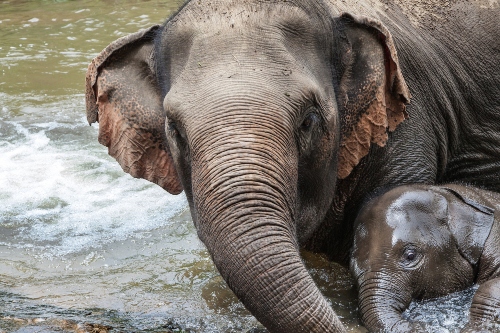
[282,115]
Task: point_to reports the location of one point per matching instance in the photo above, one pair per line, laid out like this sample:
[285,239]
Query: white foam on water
[446,314]
[60,193]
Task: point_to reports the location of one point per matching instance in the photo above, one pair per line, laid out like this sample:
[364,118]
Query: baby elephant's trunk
[382,300]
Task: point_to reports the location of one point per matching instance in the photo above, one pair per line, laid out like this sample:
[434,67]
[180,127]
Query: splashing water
[60,199]
[446,314]
[80,240]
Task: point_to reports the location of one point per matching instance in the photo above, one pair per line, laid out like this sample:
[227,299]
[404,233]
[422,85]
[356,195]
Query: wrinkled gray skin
[421,241]
[277,117]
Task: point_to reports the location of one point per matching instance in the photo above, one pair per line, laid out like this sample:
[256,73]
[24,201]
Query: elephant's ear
[470,224]
[373,93]
[122,94]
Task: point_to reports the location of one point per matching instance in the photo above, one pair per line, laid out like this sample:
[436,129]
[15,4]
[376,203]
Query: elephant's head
[415,242]
[254,109]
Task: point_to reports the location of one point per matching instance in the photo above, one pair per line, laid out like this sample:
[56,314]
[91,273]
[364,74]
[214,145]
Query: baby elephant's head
[415,242]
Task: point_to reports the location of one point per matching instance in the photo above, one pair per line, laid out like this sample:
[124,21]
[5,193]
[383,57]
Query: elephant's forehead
[217,16]
[414,217]
[244,34]
[272,47]
[251,57]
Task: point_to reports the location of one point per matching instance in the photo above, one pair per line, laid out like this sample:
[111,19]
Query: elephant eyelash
[172,129]
[310,127]
[309,121]
[175,131]
[178,140]
[312,113]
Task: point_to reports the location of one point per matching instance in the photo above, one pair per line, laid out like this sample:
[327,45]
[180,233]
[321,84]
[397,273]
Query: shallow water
[80,240]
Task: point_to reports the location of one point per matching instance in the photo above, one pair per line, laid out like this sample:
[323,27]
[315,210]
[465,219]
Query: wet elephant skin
[277,118]
[422,241]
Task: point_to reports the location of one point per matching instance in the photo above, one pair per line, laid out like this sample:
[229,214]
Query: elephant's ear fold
[470,224]
[372,93]
[122,94]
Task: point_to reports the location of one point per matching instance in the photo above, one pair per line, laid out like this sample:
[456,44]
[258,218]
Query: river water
[83,243]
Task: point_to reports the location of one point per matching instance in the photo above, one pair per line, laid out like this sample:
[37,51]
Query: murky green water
[81,242]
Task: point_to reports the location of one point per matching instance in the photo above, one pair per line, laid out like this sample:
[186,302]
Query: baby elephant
[419,241]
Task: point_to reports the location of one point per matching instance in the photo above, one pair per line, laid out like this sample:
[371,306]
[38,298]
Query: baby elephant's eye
[411,257]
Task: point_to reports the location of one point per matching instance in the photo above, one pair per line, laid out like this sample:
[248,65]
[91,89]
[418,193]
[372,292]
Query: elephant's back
[431,15]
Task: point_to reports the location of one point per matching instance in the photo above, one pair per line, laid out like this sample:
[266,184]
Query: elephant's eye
[411,257]
[309,121]
[172,128]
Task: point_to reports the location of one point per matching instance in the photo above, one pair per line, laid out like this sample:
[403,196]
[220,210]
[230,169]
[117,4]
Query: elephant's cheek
[317,185]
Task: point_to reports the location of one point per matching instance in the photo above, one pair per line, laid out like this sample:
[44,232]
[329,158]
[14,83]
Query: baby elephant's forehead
[416,216]
[407,204]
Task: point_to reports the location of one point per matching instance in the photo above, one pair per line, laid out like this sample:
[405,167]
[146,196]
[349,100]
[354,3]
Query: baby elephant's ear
[470,224]
[122,94]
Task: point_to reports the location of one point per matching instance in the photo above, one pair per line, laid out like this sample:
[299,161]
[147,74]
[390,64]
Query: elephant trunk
[244,201]
[382,300]
[268,276]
